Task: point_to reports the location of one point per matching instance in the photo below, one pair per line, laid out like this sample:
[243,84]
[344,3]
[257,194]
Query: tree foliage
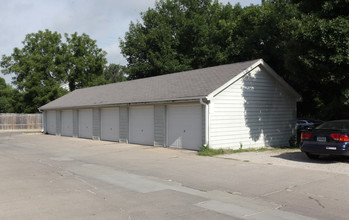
[179,35]
[46,62]
[6,97]
[306,42]
[318,56]
[114,73]
[160,44]
[84,62]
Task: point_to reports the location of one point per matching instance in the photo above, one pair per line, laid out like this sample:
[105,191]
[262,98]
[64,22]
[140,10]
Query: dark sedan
[329,138]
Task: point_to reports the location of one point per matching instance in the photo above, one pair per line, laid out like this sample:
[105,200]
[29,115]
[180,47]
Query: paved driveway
[294,158]
[49,177]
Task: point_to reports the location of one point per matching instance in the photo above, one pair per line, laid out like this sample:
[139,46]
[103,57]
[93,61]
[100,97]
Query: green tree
[114,73]
[10,98]
[84,62]
[318,56]
[179,35]
[45,63]
[175,36]
[5,96]
[37,69]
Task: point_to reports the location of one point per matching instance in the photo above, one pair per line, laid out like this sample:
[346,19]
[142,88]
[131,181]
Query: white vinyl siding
[85,123]
[67,123]
[160,125]
[96,124]
[124,124]
[51,122]
[110,124]
[58,122]
[75,123]
[255,111]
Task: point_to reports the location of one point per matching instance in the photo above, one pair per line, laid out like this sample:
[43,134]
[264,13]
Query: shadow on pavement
[301,157]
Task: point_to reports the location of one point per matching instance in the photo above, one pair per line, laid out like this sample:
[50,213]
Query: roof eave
[165,101]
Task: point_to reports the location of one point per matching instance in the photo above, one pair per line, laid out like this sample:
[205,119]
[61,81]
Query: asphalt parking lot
[51,177]
[294,158]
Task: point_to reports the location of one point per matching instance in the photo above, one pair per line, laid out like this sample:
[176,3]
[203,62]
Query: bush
[292,141]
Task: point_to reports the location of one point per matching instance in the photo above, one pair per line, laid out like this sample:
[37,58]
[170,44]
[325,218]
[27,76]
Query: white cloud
[103,20]
[113,54]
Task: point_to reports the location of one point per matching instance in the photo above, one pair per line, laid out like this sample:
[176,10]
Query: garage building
[229,106]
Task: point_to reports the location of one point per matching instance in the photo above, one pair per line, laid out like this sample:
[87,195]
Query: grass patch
[32,132]
[207,151]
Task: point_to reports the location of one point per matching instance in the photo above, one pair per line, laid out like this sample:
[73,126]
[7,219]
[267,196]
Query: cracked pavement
[51,177]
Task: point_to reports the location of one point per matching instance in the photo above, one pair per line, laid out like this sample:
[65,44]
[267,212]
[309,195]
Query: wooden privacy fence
[9,121]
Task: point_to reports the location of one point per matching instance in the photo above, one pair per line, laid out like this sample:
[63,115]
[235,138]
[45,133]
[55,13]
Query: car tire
[312,156]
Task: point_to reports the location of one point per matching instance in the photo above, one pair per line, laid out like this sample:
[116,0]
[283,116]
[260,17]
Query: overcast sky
[103,20]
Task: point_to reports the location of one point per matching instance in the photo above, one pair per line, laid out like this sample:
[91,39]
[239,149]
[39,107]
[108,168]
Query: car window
[335,125]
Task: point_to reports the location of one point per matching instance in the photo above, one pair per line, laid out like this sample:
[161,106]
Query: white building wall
[75,123]
[96,123]
[58,123]
[159,125]
[255,111]
[124,124]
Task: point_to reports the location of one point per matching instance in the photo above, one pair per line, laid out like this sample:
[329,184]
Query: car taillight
[305,136]
[340,137]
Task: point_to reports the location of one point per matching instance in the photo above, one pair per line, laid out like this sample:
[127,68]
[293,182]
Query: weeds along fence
[9,121]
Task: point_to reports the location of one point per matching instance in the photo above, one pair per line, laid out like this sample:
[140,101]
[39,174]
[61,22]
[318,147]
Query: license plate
[331,148]
[321,139]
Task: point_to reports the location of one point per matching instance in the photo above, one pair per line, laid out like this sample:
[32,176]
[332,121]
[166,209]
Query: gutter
[179,100]
[206,120]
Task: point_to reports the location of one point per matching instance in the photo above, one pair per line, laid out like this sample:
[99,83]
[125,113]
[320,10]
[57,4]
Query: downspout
[206,121]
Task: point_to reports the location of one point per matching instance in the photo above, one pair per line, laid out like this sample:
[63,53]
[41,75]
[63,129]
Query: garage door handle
[142,130]
[184,131]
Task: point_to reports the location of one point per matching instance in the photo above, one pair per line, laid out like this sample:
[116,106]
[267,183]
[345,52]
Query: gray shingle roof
[183,85]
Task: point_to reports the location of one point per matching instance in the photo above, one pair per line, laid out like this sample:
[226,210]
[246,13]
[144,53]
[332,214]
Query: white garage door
[184,126]
[110,124]
[85,123]
[67,123]
[51,122]
[142,125]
